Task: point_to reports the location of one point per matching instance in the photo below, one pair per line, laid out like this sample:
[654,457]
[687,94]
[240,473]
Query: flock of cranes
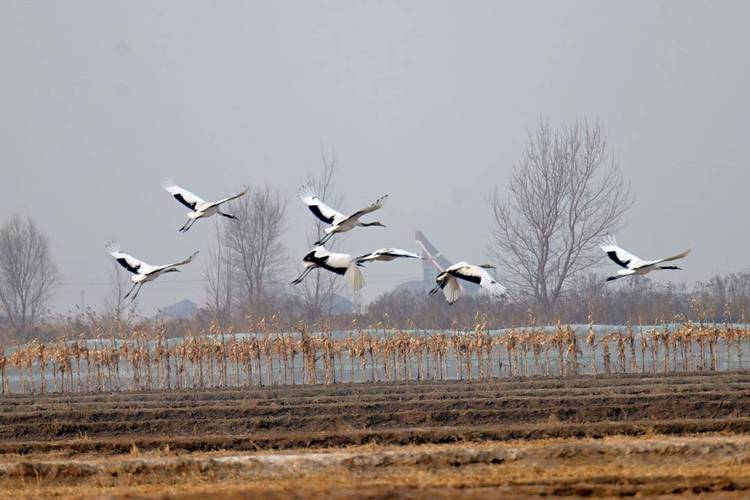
[348,265]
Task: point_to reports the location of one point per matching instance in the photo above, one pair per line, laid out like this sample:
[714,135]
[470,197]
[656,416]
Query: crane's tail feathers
[354,277]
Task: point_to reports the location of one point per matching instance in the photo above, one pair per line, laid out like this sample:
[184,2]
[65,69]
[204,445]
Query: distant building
[184,309]
[433,264]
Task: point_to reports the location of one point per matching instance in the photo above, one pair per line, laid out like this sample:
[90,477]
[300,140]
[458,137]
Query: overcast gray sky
[428,101]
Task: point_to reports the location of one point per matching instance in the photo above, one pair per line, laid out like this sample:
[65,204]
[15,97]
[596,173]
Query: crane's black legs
[187,225]
[130,291]
[325,238]
[136,292]
[302,276]
[228,216]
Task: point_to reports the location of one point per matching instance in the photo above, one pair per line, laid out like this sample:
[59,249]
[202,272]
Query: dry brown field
[635,434]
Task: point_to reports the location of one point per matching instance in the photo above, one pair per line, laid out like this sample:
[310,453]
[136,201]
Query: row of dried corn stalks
[218,359]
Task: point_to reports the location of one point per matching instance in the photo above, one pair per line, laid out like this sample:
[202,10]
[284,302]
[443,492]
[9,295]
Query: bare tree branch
[119,310]
[27,275]
[218,277]
[565,194]
[253,246]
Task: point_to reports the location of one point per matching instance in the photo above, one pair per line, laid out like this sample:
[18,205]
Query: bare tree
[27,275]
[119,310]
[253,246]
[218,276]
[319,290]
[565,194]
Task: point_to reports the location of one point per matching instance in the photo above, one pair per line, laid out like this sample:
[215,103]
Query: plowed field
[635,434]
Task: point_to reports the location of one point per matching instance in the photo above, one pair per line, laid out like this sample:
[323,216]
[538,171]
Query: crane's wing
[674,257]
[177,264]
[480,276]
[354,277]
[387,254]
[451,289]
[320,209]
[619,255]
[230,198]
[370,208]
[135,266]
[184,196]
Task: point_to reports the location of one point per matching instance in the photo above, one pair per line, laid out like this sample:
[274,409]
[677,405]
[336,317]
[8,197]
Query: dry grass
[660,465]
[218,359]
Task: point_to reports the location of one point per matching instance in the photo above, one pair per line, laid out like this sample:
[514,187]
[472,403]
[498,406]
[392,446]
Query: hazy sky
[431,102]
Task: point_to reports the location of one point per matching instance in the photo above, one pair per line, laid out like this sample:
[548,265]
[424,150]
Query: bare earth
[601,436]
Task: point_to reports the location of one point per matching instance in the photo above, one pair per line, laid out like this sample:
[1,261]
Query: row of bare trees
[242,274]
[218,359]
[565,193]
[563,196]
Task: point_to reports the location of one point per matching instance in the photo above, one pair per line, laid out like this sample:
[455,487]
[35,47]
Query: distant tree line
[640,301]
[562,197]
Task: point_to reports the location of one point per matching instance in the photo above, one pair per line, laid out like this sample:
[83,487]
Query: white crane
[339,222]
[142,272]
[633,265]
[348,265]
[448,280]
[198,206]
